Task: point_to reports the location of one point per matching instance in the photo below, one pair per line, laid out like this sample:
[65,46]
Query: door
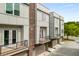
[56,32]
[13,36]
[6,37]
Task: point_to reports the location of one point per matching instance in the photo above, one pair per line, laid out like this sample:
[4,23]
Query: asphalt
[69,48]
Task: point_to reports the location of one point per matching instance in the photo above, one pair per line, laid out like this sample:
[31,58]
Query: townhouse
[56,29]
[28,28]
[14,28]
[40,34]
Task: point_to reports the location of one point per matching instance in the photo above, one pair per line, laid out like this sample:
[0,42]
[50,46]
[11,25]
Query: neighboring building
[61,26]
[41,34]
[56,28]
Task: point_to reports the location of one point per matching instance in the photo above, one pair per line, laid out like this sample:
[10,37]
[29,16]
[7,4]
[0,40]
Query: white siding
[39,15]
[24,10]
[42,21]
[14,20]
[56,22]
[62,28]
[2,8]
[43,8]
[55,15]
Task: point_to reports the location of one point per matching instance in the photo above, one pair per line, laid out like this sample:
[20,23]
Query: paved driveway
[69,48]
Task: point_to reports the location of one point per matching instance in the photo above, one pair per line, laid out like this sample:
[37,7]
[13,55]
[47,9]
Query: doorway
[6,37]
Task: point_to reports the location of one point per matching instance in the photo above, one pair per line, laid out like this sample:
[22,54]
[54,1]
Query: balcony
[44,40]
[13,49]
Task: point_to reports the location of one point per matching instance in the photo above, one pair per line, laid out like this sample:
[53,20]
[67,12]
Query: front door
[6,37]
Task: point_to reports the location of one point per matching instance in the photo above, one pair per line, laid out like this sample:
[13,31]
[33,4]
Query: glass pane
[6,37]
[14,36]
[9,8]
[16,9]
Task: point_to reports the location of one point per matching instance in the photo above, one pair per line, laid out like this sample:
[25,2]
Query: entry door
[13,36]
[6,37]
[56,31]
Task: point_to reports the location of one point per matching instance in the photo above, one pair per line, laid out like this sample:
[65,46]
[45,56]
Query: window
[13,8]
[56,31]
[16,9]
[9,8]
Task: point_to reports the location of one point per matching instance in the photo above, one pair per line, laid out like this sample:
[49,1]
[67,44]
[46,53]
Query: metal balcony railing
[11,48]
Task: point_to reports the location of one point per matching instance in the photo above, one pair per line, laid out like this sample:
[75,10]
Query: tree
[71,29]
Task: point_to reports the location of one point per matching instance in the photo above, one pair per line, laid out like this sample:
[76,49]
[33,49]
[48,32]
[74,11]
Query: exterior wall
[22,20]
[24,10]
[13,19]
[54,43]
[32,27]
[51,26]
[62,28]
[2,8]
[54,23]
[42,8]
[42,20]
[39,49]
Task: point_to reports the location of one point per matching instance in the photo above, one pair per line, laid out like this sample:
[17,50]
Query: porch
[13,49]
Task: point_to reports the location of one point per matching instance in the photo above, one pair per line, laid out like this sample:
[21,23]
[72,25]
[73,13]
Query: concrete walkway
[68,48]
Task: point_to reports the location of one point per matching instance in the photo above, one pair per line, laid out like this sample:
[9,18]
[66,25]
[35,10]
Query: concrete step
[13,52]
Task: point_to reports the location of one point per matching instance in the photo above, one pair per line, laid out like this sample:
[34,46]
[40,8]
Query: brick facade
[32,27]
[39,49]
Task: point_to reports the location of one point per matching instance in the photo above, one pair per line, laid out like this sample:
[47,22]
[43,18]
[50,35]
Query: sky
[70,11]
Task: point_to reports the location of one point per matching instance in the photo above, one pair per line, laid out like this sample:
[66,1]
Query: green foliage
[71,28]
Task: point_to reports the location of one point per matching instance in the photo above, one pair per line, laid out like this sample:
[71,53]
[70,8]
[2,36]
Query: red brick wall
[39,49]
[32,26]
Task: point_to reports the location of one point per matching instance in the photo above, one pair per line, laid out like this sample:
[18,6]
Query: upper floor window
[9,8]
[13,8]
[16,9]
